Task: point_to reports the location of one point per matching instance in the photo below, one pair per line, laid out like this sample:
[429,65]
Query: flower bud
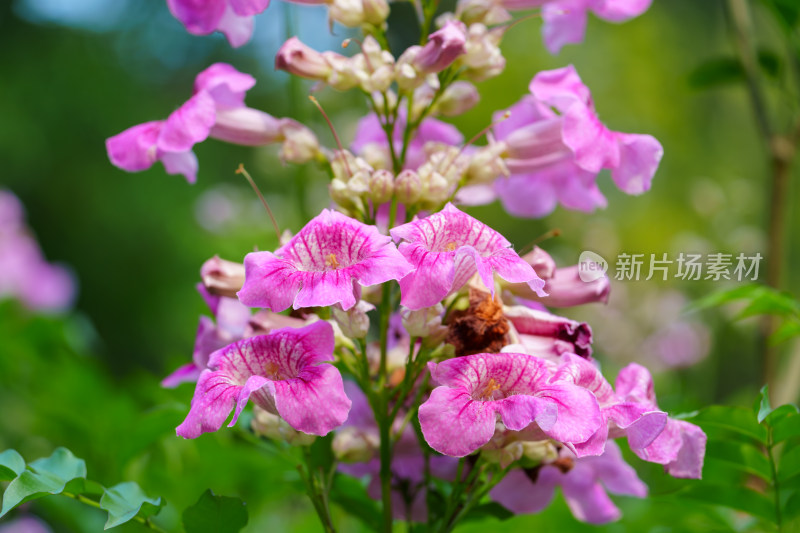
[354,322]
[458,98]
[505,455]
[442,48]
[340,193]
[354,445]
[246,126]
[221,277]
[486,164]
[488,12]
[274,427]
[375,11]
[298,59]
[483,58]
[381,186]
[300,145]
[407,187]
[425,323]
[543,451]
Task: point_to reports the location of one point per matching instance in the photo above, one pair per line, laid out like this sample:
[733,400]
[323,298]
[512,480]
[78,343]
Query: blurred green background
[74,73]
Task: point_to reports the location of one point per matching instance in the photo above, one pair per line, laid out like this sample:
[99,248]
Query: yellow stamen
[451,246]
[489,390]
[331,261]
[271,369]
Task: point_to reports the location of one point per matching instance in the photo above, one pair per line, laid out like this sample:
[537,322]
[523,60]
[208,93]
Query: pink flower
[283,372]
[234,18]
[584,482]
[544,334]
[370,134]
[232,319]
[448,248]
[681,446]
[24,272]
[565,20]
[556,146]
[459,416]
[641,423]
[321,265]
[563,286]
[215,110]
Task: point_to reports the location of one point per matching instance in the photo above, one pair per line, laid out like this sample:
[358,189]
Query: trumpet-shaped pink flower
[215,110]
[545,334]
[321,265]
[681,446]
[583,481]
[448,248]
[234,18]
[283,372]
[556,146]
[231,320]
[370,133]
[641,423]
[476,390]
[563,286]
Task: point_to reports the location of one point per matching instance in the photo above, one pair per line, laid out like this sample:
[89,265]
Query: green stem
[775,485]
[382,412]
[317,492]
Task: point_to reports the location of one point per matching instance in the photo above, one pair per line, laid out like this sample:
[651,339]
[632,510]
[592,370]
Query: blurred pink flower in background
[24,273]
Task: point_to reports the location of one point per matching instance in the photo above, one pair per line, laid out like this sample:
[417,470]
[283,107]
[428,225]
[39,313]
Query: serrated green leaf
[739,498]
[215,514]
[735,419]
[125,501]
[11,465]
[52,475]
[351,495]
[762,408]
[741,456]
[787,427]
[789,464]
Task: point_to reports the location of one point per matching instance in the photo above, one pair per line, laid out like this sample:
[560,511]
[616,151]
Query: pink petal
[560,88]
[270,282]
[517,493]
[638,162]
[432,278]
[189,124]
[212,403]
[236,28]
[135,148]
[200,17]
[454,424]
[578,413]
[621,10]
[527,196]
[595,146]
[184,163]
[586,497]
[183,374]
[564,23]
[248,7]
[296,400]
[226,85]
[617,475]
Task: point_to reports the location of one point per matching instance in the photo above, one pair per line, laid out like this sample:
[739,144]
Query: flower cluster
[411,330]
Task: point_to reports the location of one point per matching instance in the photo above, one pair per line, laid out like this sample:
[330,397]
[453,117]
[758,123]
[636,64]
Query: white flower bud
[354,322]
[354,445]
[375,12]
[543,451]
[381,186]
[486,164]
[488,12]
[407,187]
[425,323]
[504,456]
[483,59]
[300,144]
[274,427]
[458,98]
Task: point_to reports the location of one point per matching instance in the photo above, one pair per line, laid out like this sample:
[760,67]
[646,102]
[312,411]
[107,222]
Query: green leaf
[11,465]
[762,408]
[791,508]
[351,495]
[215,514]
[723,71]
[741,456]
[786,427]
[739,498]
[785,331]
[735,419]
[718,298]
[126,500]
[488,510]
[789,465]
[51,475]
